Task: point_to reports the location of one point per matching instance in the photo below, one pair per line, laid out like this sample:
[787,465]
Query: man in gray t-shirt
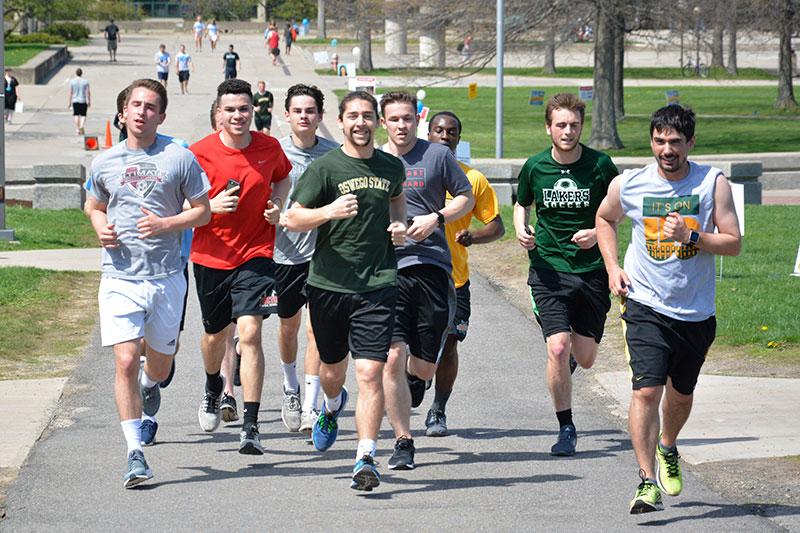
[80,98]
[292,255]
[139,188]
[426,295]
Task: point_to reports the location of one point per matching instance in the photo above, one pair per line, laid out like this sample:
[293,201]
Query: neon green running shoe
[648,497]
[669,471]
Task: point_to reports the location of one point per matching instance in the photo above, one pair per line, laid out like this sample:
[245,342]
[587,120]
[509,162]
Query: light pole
[5,234]
[498,130]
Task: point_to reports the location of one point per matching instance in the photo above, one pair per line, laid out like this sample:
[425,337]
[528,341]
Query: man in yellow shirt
[445,128]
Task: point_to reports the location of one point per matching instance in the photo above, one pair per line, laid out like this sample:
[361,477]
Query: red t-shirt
[273,39]
[231,239]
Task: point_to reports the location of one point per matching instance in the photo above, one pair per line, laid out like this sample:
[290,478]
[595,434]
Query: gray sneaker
[250,441]
[209,414]
[151,398]
[227,406]
[291,410]
[436,423]
[567,440]
[138,471]
[307,420]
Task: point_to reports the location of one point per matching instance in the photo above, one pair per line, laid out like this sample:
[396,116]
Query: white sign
[586,93]
[321,58]
[463,152]
[797,263]
[362,83]
[422,129]
[738,203]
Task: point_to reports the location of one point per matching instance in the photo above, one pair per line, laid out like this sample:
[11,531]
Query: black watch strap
[441,218]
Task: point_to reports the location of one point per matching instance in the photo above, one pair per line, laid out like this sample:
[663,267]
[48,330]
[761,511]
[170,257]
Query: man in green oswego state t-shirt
[354,195]
[569,284]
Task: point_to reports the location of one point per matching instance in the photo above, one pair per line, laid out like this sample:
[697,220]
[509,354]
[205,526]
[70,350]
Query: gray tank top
[667,276]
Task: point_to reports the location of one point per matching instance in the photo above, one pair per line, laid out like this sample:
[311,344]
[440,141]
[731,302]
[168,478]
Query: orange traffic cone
[108,135]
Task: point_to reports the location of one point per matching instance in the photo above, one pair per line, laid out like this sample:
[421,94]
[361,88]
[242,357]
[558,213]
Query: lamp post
[498,120]
[5,234]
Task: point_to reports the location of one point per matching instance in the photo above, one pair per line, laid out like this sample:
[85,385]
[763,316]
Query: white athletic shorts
[132,309]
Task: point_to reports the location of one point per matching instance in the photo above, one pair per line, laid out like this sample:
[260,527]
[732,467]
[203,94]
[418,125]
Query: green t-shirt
[566,198]
[262,102]
[353,255]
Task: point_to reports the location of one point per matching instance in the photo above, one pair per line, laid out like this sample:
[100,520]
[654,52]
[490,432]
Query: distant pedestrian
[80,99]
[263,102]
[212,32]
[288,38]
[11,95]
[111,33]
[272,40]
[163,59]
[231,65]
[183,65]
[198,34]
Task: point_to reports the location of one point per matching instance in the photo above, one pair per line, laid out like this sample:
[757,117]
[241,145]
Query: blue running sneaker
[326,429]
[138,471]
[365,475]
[567,440]
[148,429]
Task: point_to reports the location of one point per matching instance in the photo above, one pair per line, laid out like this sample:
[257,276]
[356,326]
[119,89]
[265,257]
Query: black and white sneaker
[403,456]
[250,441]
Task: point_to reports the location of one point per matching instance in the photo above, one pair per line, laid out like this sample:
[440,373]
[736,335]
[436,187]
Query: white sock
[148,417]
[133,433]
[290,382]
[312,393]
[365,447]
[146,382]
[333,404]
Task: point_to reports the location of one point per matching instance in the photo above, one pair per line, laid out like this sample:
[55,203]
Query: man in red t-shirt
[232,255]
[273,39]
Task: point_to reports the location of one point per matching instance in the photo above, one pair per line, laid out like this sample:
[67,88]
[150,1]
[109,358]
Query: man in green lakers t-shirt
[569,284]
[263,101]
[354,195]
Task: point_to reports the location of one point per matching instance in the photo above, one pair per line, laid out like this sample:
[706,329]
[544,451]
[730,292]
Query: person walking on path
[163,60]
[293,253]
[212,32]
[111,33]
[11,88]
[198,28]
[231,65]
[426,297]
[263,102]
[667,289]
[445,129]
[79,99]
[288,38]
[569,286]
[272,39]
[138,190]
[232,255]
[183,66]
[354,196]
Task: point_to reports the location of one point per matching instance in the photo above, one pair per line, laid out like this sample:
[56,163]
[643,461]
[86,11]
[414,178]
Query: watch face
[694,236]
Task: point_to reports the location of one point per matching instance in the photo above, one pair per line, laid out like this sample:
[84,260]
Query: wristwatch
[694,237]
[440,216]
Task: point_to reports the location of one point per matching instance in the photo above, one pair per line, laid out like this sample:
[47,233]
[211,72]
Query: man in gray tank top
[667,288]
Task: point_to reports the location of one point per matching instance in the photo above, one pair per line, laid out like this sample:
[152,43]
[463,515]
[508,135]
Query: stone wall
[38,68]
[47,186]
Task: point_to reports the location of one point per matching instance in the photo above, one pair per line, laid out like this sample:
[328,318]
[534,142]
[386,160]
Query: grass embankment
[18,53]
[42,229]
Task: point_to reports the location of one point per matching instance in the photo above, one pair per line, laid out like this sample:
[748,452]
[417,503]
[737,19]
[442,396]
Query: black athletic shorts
[163,75]
[183,75]
[79,109]
[262,123]
[186,295]
[460,323]
[275,51]
[225,295]
[291,288]
[658,346]
[564,302]
[360,323]
[425,308]
[230,74]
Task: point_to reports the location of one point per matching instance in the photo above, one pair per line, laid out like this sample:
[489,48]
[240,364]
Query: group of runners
[373,242]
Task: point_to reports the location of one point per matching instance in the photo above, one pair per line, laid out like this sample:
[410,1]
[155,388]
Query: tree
[321,27]
[785,24]
[604,125]
[732,69]
[619,66]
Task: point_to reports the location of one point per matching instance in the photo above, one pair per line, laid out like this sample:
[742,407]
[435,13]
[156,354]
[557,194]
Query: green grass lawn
[19,53]
[524,133]
[40,229]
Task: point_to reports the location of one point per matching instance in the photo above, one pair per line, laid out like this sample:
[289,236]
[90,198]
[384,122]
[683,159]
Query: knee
[648,395]
[396,363]
[128,364]
[558,350]
[289,328]
[370,375]
[249,334]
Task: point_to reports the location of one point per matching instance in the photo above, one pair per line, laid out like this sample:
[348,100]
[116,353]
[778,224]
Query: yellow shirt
[485,210]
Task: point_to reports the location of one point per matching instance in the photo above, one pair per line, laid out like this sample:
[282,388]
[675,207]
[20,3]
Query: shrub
[70,31]
[45,38]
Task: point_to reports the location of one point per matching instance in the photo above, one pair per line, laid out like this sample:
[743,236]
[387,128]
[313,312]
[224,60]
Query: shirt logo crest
[142,178]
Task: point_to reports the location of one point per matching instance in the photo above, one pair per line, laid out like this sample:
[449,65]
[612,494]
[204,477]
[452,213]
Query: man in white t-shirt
[80,98]
[163,59]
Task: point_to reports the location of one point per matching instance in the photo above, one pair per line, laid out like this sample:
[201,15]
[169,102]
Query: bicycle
[694,68]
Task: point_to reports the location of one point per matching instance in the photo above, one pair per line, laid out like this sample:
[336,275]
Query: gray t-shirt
[158,178]
[431,172]
[293,248]
[79,86]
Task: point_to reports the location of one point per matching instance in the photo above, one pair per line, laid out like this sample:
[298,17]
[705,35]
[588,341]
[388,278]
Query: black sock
[250,414]
[564,417]
[214,383]
[440,401]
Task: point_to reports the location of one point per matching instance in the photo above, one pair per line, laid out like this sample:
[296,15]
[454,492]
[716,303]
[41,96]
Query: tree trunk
[321,29]
[396,29]
[785,92]
[365,59]
[716,45]
[604,126]
[732,70]
[550,52]
[431,38]
[619,65]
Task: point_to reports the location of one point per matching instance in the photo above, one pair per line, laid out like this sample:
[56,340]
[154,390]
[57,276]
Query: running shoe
[436,423]
[138,471]
[307,420]
[567,440]
[291,410]
[648,497]
[573,364]
[237,380]
[164,384]
[227,407]
[250,441]
[403,456]
[148,429]
[365,475]
[151,397]
[417,387]
[209,412]
[326,429]
[669,471]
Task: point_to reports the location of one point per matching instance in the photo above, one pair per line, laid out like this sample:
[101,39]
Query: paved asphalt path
[492,472]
